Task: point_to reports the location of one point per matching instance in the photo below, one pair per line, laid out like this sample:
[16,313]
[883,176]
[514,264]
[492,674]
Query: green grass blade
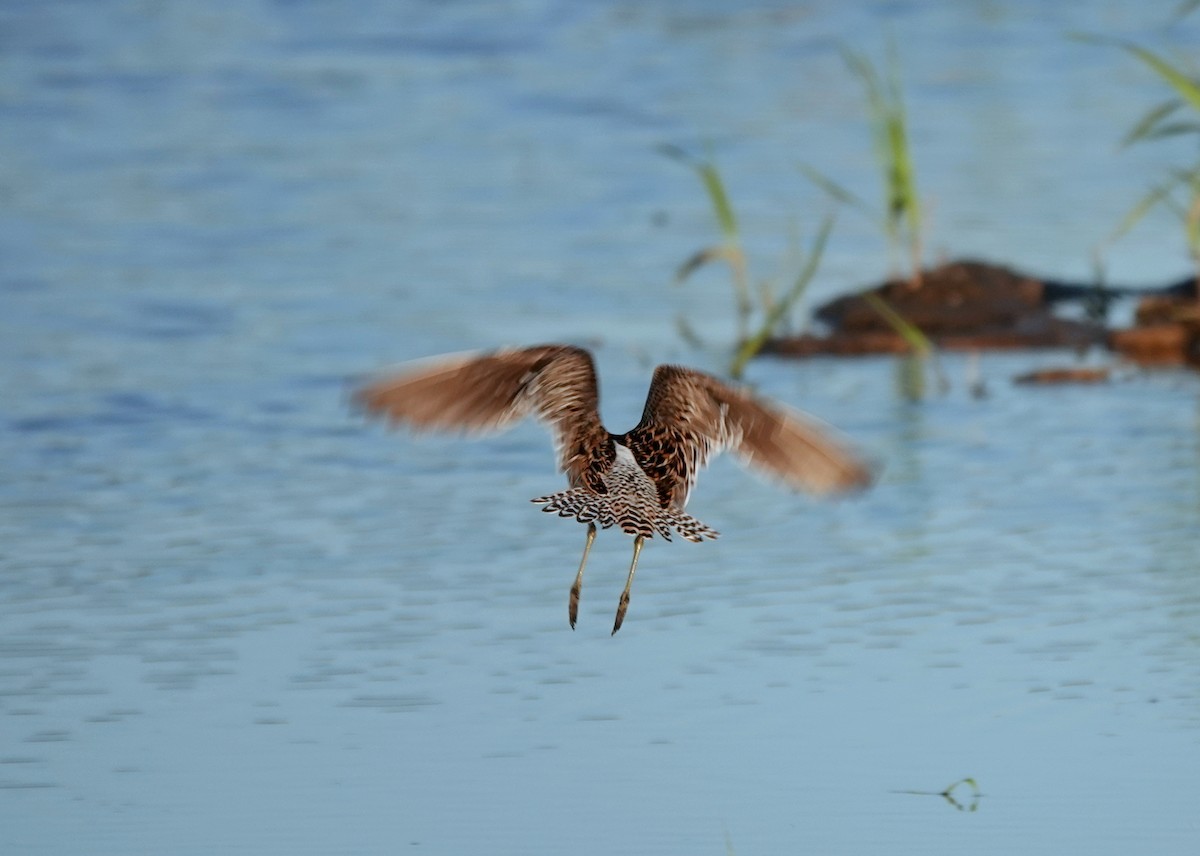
[1140,209]
[838,192]
[878,113]
[911,370]
[1186,176]
[710,177]
[961,805]
[688,333]
[904,173]
[1176,208]
[878,109]
[779,309]
[905,204]
[1157,195]
[861,67]
[908,331]
[1185,8]
[1175,129]
[1187,87]
[731,251]
[1191,213]
[720,200]
[1146,126]
[731,255]
[902,220]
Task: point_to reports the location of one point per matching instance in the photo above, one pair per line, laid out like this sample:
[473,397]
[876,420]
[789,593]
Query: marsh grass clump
[902,218]
[757,321]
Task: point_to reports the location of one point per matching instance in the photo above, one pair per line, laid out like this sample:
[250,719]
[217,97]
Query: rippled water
[232,616]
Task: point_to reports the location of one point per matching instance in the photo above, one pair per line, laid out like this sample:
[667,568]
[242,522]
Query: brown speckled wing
[483,393]
[691,416]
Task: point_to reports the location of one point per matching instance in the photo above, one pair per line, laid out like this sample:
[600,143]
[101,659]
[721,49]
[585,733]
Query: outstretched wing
[691,416]
[483,393]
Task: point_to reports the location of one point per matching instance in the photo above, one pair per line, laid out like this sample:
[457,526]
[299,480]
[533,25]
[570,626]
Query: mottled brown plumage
[640,480]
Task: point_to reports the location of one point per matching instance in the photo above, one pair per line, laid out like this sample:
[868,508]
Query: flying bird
[638,481]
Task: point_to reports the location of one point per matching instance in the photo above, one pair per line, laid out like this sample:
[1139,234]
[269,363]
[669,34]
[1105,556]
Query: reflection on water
[234,617]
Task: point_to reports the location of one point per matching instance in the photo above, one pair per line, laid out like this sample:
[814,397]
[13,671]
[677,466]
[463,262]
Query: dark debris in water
[976,306]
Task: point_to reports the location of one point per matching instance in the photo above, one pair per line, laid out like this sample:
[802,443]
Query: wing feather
[481,393]
[705,416]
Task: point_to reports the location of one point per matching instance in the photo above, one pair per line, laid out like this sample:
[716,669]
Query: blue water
[235,617]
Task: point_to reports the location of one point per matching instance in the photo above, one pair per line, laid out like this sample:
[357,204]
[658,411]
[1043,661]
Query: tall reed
[902,219]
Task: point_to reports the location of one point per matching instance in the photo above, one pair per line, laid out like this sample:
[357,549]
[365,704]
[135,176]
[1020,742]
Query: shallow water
[234,616]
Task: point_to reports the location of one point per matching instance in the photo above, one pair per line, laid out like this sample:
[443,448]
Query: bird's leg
[573,608]
[624,603]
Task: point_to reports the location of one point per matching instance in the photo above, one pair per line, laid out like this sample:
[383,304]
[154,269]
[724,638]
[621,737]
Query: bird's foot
[573,605]
[621,607]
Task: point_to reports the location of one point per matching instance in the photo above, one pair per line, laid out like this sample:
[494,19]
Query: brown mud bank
[976,306]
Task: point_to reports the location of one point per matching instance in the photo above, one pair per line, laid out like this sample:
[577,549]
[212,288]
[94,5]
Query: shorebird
[638,481]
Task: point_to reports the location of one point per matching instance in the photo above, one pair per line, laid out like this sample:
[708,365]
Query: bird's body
[638,481]
[629,500]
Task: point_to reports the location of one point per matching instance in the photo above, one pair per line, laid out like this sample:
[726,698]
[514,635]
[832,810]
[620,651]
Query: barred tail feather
[588,507]
[580,504]
[691,528]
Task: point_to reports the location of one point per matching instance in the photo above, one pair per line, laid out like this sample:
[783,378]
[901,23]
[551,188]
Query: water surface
[236,617]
